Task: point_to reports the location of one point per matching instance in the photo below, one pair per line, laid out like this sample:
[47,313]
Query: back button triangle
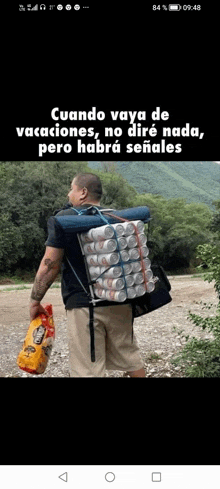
[63,477]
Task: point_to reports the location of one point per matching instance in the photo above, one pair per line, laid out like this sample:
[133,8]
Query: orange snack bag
[38,343]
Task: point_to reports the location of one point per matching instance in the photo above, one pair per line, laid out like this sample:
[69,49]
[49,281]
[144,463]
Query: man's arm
[46,274]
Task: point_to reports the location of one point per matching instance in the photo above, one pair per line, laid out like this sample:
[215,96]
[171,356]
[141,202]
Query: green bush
[201,357]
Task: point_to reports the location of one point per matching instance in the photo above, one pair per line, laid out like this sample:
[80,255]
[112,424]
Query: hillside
[196,181]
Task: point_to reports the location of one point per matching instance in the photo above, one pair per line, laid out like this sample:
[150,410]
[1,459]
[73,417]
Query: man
[114,347]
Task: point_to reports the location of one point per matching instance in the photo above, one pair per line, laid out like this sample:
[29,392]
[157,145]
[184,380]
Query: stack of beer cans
[117,259]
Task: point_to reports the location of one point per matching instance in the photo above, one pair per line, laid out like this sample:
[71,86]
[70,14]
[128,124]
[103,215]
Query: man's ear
[84,193]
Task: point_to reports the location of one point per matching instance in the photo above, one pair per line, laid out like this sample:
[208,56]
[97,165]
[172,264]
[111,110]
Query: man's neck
[90,203]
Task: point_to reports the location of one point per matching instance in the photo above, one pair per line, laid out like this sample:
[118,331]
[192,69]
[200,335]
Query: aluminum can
[138,278]
[94,272]
[97,234]
[144,251]
[131,241]
[116,295]
[134,253]
[105,246]
[85,238]
[146,263]
[140,290]
[150,286]
[139,225]
[131,293]
[129,279]
[113,283]
[122,243]
[101,233]
[129,228]
[92,260]
[141,239]
[99,291]
[127,268]
[136,266]
[108,259]
[113,272]
[89,248]
[124,255]
[119,229]
[124,229]
[148,275]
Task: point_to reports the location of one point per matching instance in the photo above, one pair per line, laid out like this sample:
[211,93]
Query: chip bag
[38,343]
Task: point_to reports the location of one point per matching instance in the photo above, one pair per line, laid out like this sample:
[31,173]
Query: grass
[56,285]
[21,278]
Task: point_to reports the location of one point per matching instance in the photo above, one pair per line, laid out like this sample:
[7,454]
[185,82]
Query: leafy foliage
[201,358]
[176,230]
[32,191]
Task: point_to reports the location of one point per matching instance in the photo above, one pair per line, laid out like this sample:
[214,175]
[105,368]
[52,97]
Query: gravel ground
[157,340]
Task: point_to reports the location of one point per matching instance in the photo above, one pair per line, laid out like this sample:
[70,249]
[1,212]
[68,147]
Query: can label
[85,238]
[89,248]
[108,259]
[102,233]
[116,295]
[92,260]
[94,272]
[113,283]
[106,245]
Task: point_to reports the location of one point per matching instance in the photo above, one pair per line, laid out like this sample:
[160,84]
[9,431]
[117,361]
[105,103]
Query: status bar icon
[174,7]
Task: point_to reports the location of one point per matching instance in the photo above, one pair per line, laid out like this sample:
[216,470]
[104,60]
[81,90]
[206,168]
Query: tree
[117,192]
[31,191]
[176,229]
[200,357]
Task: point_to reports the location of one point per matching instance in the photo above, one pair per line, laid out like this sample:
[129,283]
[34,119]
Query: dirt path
[154,331]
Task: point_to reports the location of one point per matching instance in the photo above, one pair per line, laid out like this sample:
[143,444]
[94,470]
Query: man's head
[86,188]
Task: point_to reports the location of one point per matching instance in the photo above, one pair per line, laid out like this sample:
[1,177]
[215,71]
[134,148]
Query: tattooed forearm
[39,289]
[45,276]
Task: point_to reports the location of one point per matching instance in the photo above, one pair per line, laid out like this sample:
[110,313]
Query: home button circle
[109,477]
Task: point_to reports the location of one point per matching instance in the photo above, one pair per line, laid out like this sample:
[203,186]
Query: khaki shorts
[114,347]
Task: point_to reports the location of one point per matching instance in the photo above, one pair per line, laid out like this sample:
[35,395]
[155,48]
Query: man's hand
[46,274]
[35,309]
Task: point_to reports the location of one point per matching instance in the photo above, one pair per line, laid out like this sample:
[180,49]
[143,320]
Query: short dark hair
[92,182]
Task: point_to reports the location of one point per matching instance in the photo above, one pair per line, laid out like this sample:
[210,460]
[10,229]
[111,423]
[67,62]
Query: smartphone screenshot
[109,245]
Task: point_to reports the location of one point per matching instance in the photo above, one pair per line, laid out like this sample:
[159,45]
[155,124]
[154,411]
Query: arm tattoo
[44,280]
[39,289]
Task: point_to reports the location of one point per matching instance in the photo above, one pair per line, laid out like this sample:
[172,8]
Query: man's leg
[79,344]
[122,353]
[137,373]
